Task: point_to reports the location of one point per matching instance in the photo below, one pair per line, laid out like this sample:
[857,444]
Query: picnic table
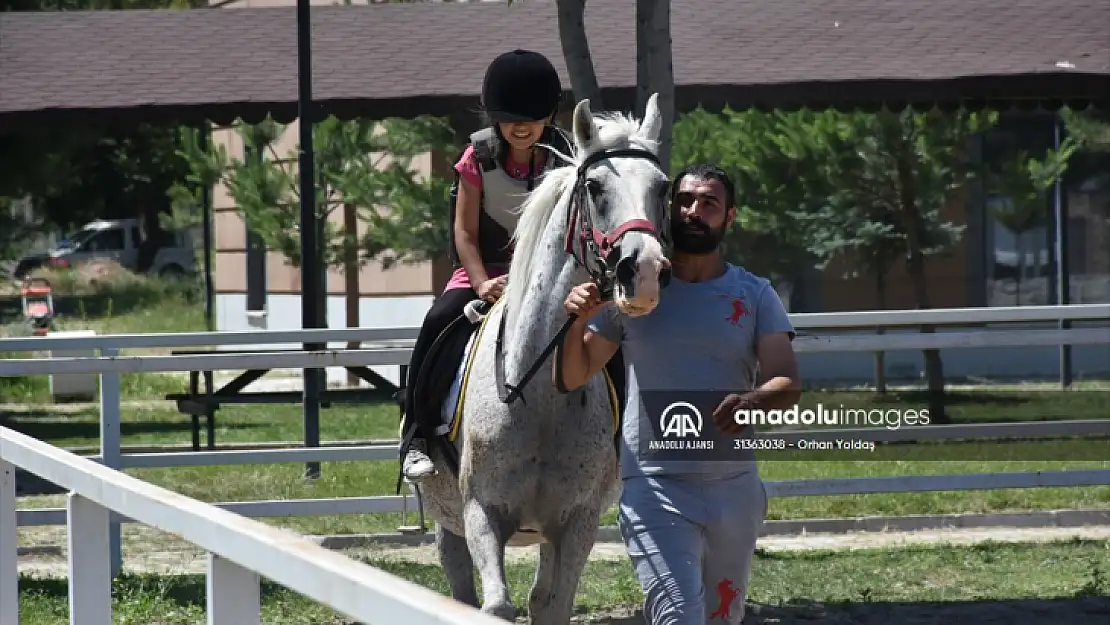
[197,403]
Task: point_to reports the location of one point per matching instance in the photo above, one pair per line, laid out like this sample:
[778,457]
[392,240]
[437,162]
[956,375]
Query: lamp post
[310,256]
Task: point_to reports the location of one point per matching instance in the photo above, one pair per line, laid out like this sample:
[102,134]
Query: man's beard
[696,237]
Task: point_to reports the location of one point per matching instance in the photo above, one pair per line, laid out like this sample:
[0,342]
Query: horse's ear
[585,129]
[652,123]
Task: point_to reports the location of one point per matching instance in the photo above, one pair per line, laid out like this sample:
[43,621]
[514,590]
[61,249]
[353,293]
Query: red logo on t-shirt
[738,311]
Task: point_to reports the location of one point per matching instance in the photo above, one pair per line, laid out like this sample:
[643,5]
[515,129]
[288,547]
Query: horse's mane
[615,130]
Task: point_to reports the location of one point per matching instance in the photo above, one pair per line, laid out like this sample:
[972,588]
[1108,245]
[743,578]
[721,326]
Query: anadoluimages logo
[679,420]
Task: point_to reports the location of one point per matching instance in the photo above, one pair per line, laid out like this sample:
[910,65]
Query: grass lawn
[992,584]
[148,306]
[157,425]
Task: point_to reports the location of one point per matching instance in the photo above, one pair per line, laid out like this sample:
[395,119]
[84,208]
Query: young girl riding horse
[520,96]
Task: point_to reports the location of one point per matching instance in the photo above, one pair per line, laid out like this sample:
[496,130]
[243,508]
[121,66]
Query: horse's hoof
[503,611]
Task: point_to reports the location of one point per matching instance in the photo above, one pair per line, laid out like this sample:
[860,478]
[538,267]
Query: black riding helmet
[521,85]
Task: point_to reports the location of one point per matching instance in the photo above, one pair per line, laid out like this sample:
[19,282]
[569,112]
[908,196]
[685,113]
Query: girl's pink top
[469,171]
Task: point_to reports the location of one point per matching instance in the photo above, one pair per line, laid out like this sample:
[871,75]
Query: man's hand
[583,301]
[724,413]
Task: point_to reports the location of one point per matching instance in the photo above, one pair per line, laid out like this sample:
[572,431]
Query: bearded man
[690,526]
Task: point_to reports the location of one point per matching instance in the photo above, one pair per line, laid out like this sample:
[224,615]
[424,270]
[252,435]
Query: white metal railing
[404,336]
[240,550]
[393,347]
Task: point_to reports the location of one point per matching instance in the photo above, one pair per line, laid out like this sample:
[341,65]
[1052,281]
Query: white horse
[544,469]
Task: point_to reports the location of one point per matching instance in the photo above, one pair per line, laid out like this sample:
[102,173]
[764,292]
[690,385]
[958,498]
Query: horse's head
[619,212]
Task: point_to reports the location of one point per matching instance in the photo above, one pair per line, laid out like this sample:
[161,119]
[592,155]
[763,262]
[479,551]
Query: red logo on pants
[727,595]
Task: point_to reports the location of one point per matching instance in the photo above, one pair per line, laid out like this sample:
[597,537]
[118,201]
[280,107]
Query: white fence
[393,347]
[240,550]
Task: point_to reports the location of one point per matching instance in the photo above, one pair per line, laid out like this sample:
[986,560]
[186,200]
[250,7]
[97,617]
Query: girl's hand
[491,289]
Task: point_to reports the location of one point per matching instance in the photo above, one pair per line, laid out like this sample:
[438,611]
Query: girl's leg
[447,307]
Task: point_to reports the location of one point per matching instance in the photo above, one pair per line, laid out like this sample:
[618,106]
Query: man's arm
[587,347]
[775,353]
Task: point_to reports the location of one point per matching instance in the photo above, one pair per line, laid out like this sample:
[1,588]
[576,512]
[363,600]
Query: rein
[591,249]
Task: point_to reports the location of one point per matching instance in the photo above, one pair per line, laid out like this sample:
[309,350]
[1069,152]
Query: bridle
[593,250]
[591,247]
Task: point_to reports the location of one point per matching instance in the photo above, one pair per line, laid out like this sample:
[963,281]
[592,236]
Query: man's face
[699,216]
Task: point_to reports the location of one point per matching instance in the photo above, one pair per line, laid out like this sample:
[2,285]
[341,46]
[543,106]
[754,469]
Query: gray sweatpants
[691,542]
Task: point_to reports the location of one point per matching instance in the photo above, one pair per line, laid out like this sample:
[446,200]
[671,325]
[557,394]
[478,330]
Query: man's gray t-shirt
[701,337]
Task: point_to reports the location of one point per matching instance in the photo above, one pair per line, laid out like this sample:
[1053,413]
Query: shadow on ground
[46,425]
[1089,610]
[189,591]
[52,426]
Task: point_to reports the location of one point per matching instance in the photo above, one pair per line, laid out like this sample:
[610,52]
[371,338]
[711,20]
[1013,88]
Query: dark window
[1087,202]
[1018,239]
[105,241]
[256,272]
[256,260]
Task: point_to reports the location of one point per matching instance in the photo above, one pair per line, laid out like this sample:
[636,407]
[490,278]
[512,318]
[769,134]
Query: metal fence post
[110,447]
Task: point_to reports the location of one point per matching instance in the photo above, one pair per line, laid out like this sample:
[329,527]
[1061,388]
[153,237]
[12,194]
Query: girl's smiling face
[522,135]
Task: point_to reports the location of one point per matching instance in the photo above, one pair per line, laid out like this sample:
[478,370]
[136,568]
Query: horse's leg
[543,587]
[454,557]
[571,551]
[487,532]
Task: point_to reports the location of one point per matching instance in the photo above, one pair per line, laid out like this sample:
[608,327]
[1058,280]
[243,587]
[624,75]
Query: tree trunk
[576,53]
[915,266]
[154,239]
[653,17]
[643,68]
[880,357]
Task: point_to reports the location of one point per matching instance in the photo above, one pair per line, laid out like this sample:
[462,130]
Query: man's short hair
[705,171]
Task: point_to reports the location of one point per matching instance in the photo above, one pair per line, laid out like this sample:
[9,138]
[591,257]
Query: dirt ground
[145,549]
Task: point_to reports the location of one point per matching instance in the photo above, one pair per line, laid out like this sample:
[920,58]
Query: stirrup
[405,528]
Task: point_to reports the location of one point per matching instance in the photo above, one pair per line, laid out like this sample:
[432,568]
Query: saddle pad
[453,407]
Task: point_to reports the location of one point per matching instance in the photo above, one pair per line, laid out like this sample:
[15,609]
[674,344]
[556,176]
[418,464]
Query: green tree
[820,185]
[75,174]
[1090,128]
[772,201]
[89,173]
[367,164]
[407,215]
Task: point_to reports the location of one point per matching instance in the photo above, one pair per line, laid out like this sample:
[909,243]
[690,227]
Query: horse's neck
[540,314]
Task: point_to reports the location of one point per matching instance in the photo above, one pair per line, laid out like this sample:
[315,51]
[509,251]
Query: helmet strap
[532,170]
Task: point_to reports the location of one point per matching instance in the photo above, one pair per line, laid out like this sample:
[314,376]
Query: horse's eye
[594,187]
